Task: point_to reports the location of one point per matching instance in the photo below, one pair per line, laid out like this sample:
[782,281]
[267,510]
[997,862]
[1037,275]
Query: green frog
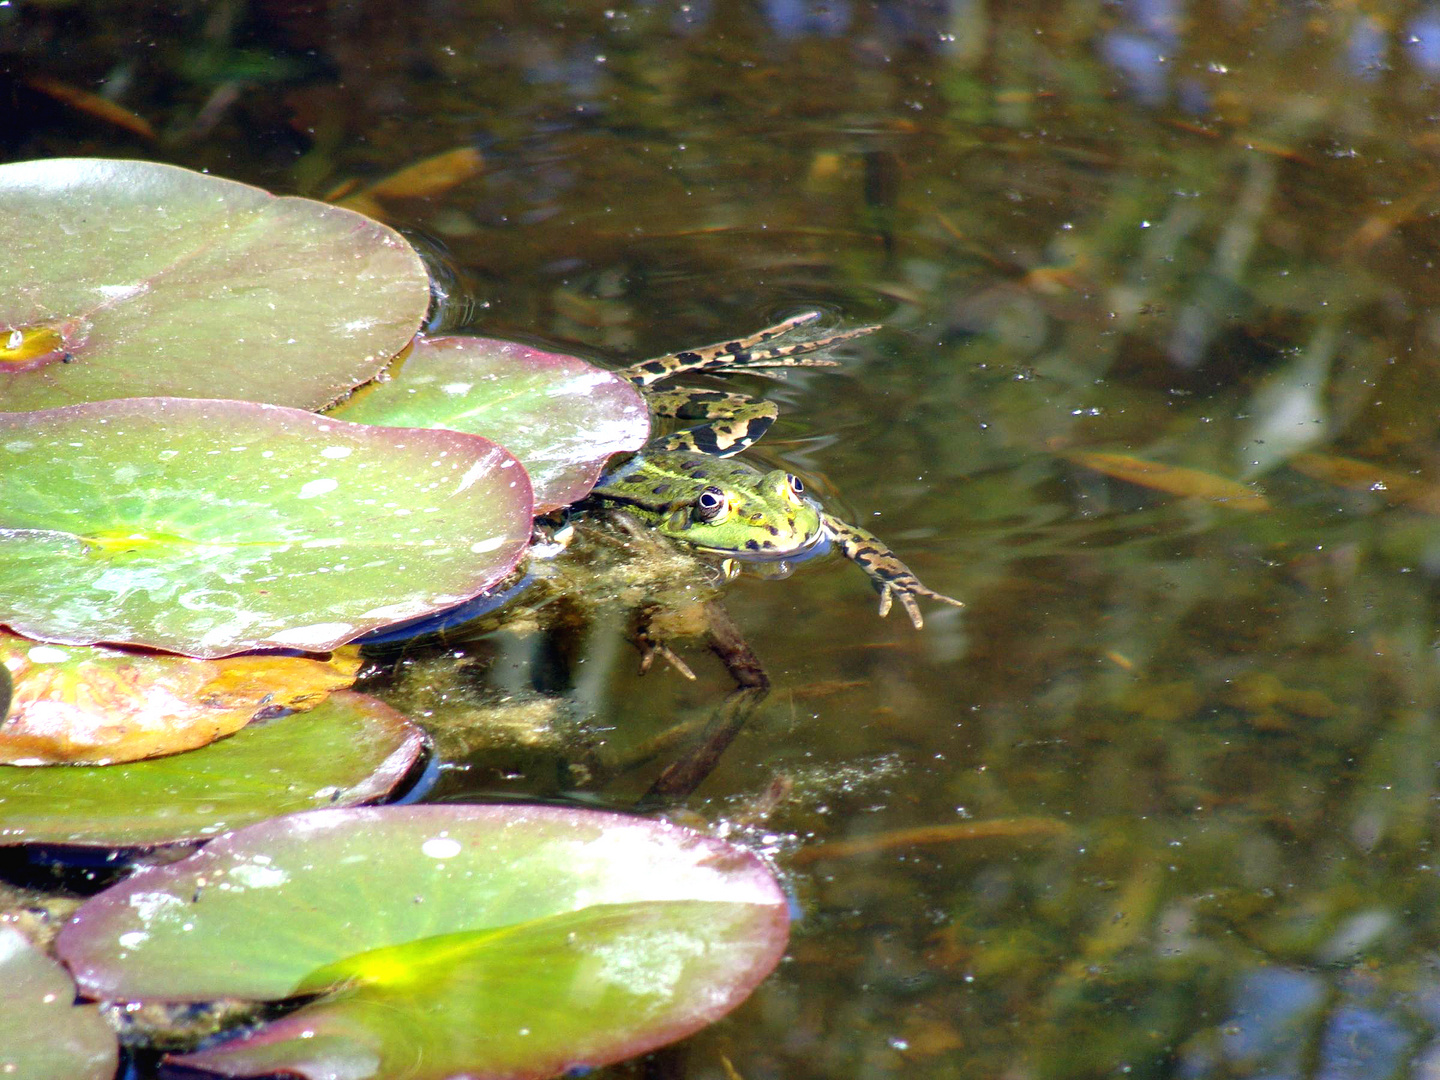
[686,487]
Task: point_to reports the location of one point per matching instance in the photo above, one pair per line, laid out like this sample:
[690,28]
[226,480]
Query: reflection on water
[1196,234]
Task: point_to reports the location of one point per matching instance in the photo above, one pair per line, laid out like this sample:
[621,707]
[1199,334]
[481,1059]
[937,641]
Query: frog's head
[768,516]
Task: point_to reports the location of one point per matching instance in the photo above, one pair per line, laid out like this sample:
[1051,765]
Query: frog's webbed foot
[907,589]
[752,353]
[551,534]
[891,577]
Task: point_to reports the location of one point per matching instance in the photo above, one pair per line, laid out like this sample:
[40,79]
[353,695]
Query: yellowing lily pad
[131,278]
[215,527]
[532,940]
[350,749]
[559,415]
[44,1035]
[90,705]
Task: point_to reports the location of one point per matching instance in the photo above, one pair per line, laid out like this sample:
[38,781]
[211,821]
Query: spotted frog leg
[891,577]
[729,422]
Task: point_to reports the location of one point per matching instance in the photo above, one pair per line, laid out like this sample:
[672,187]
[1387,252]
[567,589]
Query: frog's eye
[796,485]
[710,504]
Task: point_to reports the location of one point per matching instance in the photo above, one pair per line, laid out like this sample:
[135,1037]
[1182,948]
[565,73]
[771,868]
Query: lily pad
[559,415]
[131,278]
[532,940]
[215,527]
[89,705]
[351,749]
[44,1035]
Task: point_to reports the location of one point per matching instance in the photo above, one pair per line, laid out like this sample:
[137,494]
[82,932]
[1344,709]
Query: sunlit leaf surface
[433,175]
[211,528]
[44,1035]
[532,939]
[130,278]
[350,749]
[1391,486]
[427,178]
[94,105]
[94,705]
[1173,479]
[559,415]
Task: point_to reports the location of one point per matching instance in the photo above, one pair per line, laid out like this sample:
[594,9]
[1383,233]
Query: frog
[688,486]
[622,563]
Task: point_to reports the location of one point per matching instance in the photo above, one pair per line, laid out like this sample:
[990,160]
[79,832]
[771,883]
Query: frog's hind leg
[891,577]
[745,354]
[731,422]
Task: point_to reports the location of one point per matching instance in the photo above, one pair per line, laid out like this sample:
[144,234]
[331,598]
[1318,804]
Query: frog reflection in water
[684,486]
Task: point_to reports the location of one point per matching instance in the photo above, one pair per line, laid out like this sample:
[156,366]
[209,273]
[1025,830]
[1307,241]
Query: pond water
[1161,801]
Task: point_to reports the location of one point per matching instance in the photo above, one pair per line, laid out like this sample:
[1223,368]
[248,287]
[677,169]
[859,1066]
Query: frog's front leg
[732,422]
[889,575]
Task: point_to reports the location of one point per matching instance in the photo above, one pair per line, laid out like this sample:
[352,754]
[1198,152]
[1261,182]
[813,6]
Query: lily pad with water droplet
[559,415]
[215,527]
[91,705]
[132,278]
[446,941]
[44,1035]
[348,750]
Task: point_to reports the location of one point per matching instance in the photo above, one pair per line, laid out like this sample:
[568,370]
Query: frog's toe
[908,600]
[912,609]
[649,650]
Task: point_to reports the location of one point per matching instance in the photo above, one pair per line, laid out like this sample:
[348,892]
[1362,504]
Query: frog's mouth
[813,548]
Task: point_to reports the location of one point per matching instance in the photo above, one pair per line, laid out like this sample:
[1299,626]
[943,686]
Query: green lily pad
[347,750]
[559,415]
[503,941]
[44,1035]
[215,527]
[131,279]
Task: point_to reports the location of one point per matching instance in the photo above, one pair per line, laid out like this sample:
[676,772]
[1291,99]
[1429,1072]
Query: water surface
[1175,763]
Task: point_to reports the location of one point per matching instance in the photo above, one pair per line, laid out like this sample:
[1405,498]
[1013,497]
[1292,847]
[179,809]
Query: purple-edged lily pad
[559,415]
[497,941]
[215,527]
[44,1035]
[131,278]
[347,750]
